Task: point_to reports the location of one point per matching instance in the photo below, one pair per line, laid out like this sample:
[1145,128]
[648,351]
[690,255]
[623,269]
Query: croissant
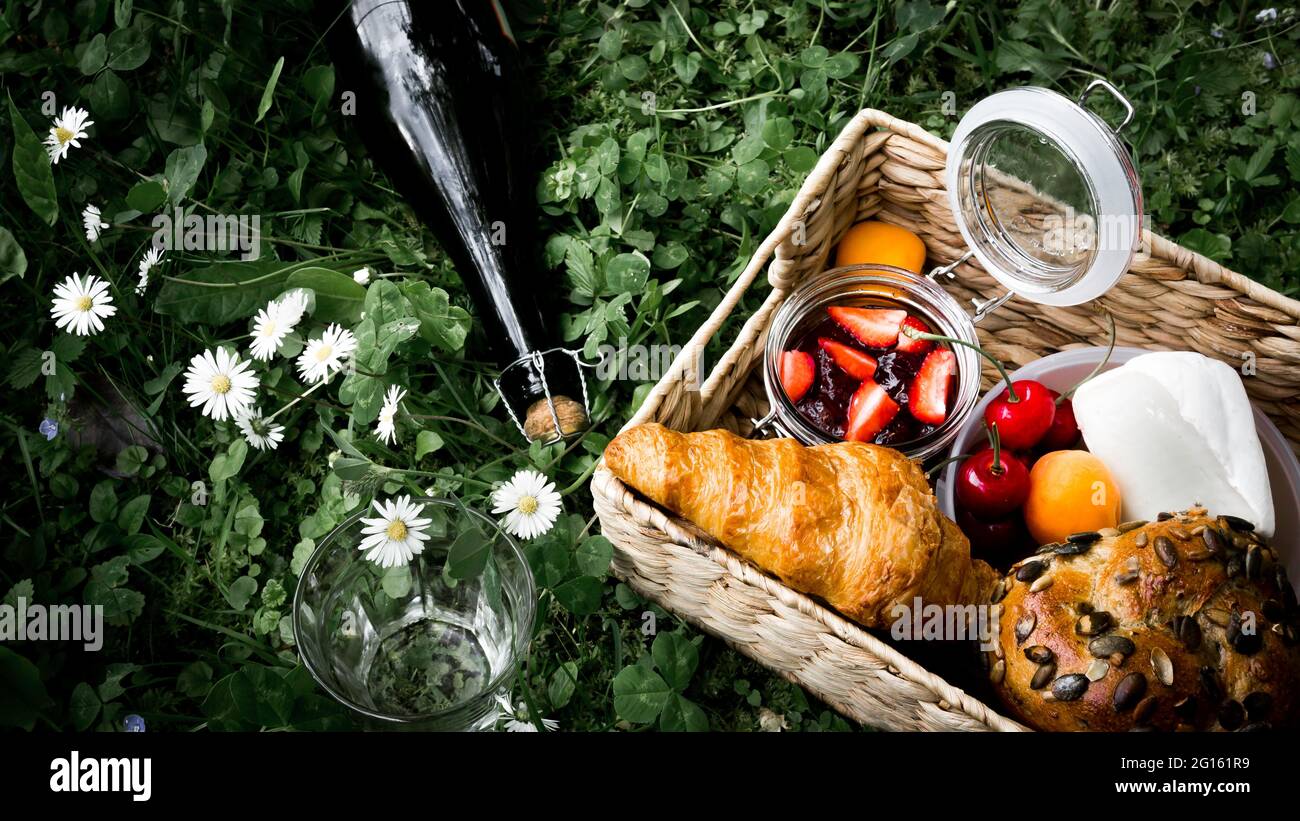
[854,524]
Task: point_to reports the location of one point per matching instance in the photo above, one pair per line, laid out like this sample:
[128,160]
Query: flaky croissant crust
[854,524]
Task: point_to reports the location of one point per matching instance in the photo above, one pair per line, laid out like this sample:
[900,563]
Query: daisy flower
[386,430]
[262,434]
[397,535]
[292,306]
[80,305]
[94,225]
[361,276]
[68,128]
[151,258]
[517,721]
[221,383]
[273,323]
[327,354]
[530,502]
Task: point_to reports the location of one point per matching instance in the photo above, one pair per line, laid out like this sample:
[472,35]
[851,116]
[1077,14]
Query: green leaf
[441,323]
[580,596]
[318,81]
[593,556]
[143,548]
[195,679]
[681,715]
[22,693]
[128,49]
[426,442]
[351,468]
[468,554]
[83,707]
[94,55]
[396,581]
[241,590]
[339,298]
[627,273]
[268,93]
[676,657]
[562,685]
[131,517]
[13,261]
[31,167]
[226,465]
[639,694]
[182,171]
[1215,246]
[778,132]
[130,459]
[109,96]
[103,502]
[224,291]
[146,195]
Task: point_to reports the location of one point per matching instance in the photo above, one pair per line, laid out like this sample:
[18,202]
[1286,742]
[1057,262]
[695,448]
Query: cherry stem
[941,465]
[1110,349]
[915,334]
[996,469]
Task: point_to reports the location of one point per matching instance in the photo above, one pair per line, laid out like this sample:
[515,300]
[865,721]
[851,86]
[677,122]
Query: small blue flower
[133,724]
[49,429]
[1270,62]
[1266,16]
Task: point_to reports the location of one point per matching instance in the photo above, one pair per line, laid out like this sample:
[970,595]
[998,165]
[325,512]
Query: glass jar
[870,286]
[411,647]
[1048,201]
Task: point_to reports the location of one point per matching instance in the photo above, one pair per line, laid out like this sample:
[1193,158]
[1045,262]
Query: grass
[671,137]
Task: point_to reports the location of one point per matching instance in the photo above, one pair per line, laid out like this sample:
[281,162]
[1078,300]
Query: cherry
[992,483]
[1064,431]
[1001,542]
[1022,412]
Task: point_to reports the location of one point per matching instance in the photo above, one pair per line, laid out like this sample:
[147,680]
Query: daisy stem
[298,399]
[414,472]
[581,480]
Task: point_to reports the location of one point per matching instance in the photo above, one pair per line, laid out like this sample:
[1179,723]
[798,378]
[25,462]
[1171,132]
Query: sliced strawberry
[928,396]
[870,410]
[797,371]
[873,327]
[907,344]
[852,361]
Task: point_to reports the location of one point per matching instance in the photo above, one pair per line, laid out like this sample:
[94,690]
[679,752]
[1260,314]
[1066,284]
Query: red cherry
[1022,424]
[1064,431]
[1000,542]
[991,485]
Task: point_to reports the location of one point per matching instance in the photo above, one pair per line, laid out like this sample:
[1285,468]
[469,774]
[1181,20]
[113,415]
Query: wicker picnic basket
[884,168]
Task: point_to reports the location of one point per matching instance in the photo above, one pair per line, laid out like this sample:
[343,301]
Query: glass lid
[1045,194]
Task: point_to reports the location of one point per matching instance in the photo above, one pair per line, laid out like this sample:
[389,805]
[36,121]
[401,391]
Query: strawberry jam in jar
[840,364]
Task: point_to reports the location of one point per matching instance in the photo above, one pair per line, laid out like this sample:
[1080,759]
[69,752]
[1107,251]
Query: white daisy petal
[223,385]
[530,504]
[80,306]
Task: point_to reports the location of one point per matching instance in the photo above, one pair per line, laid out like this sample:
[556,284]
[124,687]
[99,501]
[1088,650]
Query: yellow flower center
[324,352]
[84,303]
[527,505]
[62,135]
[397,531]
[268,329]
[220,383]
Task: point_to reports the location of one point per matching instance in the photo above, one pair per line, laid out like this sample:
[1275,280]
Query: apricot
[883,244]
[1070,491]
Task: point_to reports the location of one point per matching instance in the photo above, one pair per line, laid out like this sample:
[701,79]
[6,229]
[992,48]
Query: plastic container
[1061,371]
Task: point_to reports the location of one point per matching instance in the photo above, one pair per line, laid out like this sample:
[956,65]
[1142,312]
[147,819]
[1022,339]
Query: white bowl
[1061,371]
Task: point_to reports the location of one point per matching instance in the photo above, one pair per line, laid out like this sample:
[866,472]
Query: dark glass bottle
[438,106]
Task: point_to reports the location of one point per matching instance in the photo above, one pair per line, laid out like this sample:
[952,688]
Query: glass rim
[522,639]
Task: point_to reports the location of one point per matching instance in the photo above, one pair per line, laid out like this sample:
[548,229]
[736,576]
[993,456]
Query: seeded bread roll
[1150,629]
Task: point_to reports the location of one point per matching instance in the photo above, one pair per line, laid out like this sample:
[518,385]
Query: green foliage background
[648,212]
